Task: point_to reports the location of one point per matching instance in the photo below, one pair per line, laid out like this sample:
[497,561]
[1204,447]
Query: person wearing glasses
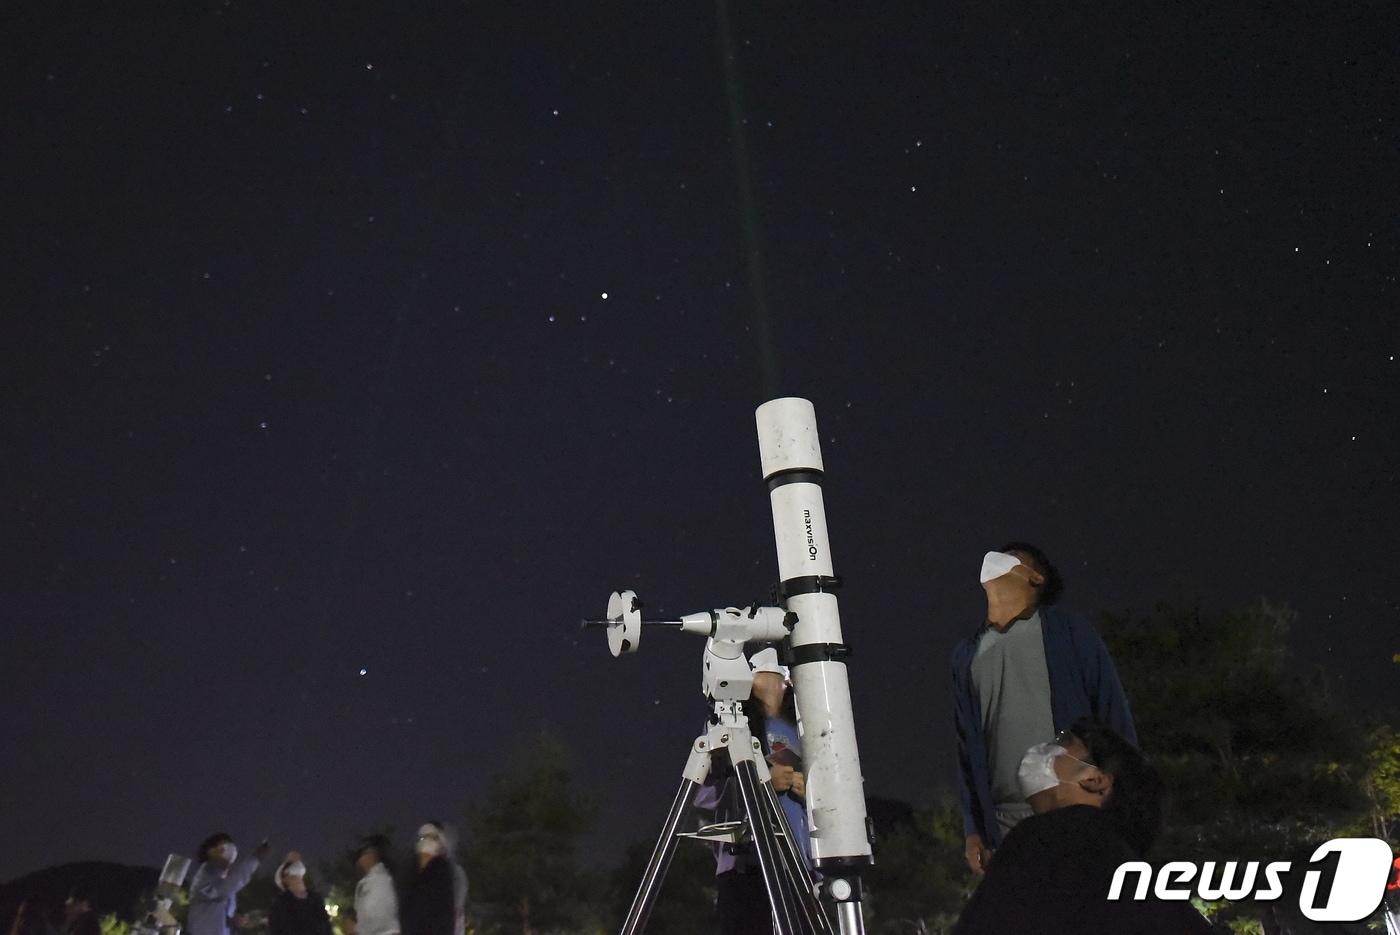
[428,903]
[1028,671]
[1096,803]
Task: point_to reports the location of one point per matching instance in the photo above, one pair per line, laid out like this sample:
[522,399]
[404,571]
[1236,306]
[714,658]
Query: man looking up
[219,877]
[1028,672]
[376,902]
[1098,804]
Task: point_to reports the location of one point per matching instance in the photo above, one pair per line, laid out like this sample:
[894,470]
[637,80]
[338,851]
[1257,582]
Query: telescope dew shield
[790,453]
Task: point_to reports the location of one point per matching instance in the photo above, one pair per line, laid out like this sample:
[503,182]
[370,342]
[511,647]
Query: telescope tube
[790,453]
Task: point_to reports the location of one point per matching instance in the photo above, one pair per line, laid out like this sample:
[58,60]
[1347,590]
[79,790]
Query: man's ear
[1097,782]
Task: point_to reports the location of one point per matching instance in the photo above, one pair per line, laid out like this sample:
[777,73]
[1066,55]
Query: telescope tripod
[791,887]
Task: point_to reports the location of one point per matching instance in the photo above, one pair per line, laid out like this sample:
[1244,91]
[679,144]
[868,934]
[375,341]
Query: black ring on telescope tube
[836,866]
[809,584]
[794,476]
[818,652]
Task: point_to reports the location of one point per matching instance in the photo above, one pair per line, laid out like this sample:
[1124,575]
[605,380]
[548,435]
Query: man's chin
[1006,618]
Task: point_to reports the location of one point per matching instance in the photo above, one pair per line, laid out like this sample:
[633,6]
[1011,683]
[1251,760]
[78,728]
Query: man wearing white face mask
[1098,804]
[1029,671]
[214,888]
[298,909]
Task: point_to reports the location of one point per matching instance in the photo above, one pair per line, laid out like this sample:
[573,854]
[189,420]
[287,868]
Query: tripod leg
[660,861]
[795,864]
[769,860]
[789,842]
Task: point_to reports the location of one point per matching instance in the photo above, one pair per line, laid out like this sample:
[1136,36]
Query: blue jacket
[1083,683]
[214,895]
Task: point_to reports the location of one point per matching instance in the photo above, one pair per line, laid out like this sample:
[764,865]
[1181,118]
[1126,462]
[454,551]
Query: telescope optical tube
[790,453]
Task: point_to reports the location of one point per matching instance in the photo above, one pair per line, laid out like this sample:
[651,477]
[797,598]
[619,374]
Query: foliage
[255,900]
[522,857]
[339,897]
[1261,760]
[1243,926]
[179,908]
[686,903]
[111,925]
[1381,784]
[919,882]
[1258,758]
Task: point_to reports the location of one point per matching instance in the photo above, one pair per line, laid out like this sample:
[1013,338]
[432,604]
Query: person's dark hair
[758,721]
[1135,806]
[1053,585]
[214,840]
[380,843]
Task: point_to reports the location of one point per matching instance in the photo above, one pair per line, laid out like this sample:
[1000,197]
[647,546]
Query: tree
[1381,784]
[686,903]
[920,881]
[1258,757]
[522,859]
[1261,760]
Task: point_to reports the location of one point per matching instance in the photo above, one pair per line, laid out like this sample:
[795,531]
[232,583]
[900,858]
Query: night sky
[354,353]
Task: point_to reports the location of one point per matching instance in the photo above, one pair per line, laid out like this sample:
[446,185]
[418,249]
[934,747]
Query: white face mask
[996,564]
[229,851]
[294,877]
[1037,770]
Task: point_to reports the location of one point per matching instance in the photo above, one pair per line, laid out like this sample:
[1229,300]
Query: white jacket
[376,904]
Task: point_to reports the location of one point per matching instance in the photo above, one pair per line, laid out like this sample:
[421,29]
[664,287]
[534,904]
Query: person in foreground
[1029,671]
[1097,803]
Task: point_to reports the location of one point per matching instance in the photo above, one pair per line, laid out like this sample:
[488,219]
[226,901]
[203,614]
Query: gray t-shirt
[1013,684]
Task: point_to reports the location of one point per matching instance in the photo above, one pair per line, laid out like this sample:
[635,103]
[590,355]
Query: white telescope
[790,454]
[158,919]
[809,620]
